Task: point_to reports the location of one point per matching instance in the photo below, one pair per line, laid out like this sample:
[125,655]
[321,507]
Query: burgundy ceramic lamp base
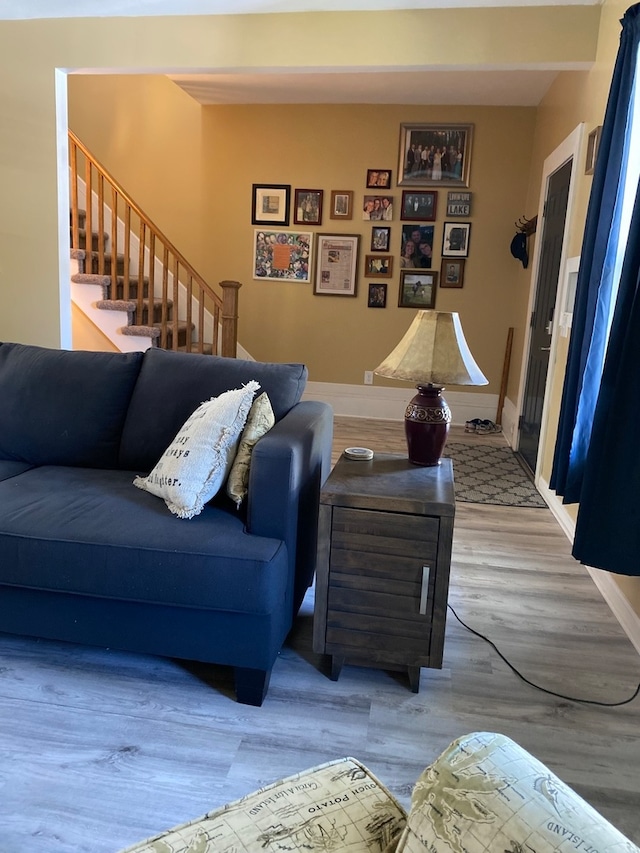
[426,424]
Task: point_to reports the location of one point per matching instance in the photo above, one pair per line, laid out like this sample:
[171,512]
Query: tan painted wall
[34,303]
[310,146]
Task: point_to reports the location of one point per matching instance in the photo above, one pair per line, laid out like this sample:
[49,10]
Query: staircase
[148,286]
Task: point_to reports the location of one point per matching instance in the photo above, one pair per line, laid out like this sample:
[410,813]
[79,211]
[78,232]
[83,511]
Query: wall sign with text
[459,204]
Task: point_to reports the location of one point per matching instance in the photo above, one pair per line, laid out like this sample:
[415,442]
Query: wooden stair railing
[170,300]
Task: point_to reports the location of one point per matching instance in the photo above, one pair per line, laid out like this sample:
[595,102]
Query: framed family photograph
[416,249]
[377,208]
[452,272]
[337,264]
[379,178]
[341,204]
[282,255]
[435,154]
[419,205]
[378,265]
[270,204]
[377,296]
[455,241]
[417,289]
[380,238]
[307,207]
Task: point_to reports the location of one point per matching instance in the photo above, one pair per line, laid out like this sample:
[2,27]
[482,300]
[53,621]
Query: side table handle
[424,592]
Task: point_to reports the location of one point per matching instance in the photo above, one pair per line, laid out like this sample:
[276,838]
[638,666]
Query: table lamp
[433,353]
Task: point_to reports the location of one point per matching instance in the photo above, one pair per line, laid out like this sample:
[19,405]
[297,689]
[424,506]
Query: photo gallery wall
[430,156]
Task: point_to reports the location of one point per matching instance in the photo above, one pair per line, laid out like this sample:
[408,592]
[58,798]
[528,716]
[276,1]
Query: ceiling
[490,87]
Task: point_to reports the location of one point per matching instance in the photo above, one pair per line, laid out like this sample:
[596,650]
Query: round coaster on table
[362,453]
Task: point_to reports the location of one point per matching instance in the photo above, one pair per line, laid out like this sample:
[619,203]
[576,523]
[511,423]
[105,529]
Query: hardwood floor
[99,749]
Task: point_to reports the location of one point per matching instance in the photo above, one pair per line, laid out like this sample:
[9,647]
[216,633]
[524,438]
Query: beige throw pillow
[196,463]
[259,422]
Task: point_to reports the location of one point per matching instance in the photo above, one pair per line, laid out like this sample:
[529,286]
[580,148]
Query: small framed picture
[379,178]
[282,255]
[419,205]
[459,204]
[455,241]
[341,204]
[417,246]
[380,238]
[377,208]
[417,289]
[307,207]
[593,141]
[380,266]
[337,265]
[270,204]
[452,272]
[377,296]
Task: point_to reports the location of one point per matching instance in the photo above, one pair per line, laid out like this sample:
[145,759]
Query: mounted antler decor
[525,228]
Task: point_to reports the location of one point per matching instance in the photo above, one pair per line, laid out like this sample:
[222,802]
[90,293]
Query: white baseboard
[605,581]
[385,403]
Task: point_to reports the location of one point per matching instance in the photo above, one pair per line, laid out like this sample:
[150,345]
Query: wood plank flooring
[99,749]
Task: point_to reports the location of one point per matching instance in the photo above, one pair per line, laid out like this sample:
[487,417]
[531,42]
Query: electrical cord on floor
[537,686]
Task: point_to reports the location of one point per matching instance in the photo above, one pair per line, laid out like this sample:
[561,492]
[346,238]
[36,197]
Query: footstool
[332,807]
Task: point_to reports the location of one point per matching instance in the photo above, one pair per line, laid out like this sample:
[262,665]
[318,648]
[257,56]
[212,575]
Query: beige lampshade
[433,350]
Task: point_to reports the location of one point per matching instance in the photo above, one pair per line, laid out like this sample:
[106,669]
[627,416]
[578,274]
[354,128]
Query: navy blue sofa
[86,557]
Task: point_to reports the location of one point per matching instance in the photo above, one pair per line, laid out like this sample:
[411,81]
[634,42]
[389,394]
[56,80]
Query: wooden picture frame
[377,297]
[377,208]
[337,265]
[593,142]
[378,266]
[452,272]
[380,238]
[282,255]
[379,178]
[341,204]
[417,289]
[307,207]
[422,236]
[434,155]
[419,205]
[270,204]
[455,239]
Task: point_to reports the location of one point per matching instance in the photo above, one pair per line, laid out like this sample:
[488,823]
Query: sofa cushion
[171,386]
[259,422]
[197,462]
[105,538]
[64,408]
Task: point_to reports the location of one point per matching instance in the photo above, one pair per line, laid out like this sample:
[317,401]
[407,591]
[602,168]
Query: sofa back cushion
[64,408]
[172,385]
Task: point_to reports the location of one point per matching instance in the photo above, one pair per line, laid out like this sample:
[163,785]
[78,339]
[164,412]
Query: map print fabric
[339,806]
[485,794]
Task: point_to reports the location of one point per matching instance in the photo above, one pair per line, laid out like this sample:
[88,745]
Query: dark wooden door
[555,213]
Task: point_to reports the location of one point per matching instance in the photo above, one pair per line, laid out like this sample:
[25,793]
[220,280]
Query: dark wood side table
[384,554]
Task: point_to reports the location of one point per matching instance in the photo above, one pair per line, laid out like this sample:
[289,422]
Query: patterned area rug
[485,474]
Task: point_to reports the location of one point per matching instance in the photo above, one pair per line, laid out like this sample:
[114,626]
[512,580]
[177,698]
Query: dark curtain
[597,454]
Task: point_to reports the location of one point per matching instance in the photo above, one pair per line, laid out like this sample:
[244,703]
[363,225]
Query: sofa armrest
[288,467]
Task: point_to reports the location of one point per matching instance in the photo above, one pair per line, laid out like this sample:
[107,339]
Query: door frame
[569,149]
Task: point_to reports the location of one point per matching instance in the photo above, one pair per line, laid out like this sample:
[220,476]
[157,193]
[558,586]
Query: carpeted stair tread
[117,305]
[145,331]
[91,278]
[207,349]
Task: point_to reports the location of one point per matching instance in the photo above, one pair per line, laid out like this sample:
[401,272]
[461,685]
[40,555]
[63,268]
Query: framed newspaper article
[337,264]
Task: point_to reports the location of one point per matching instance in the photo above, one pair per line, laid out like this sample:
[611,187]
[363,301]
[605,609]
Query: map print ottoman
[485,794]
[339,806]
